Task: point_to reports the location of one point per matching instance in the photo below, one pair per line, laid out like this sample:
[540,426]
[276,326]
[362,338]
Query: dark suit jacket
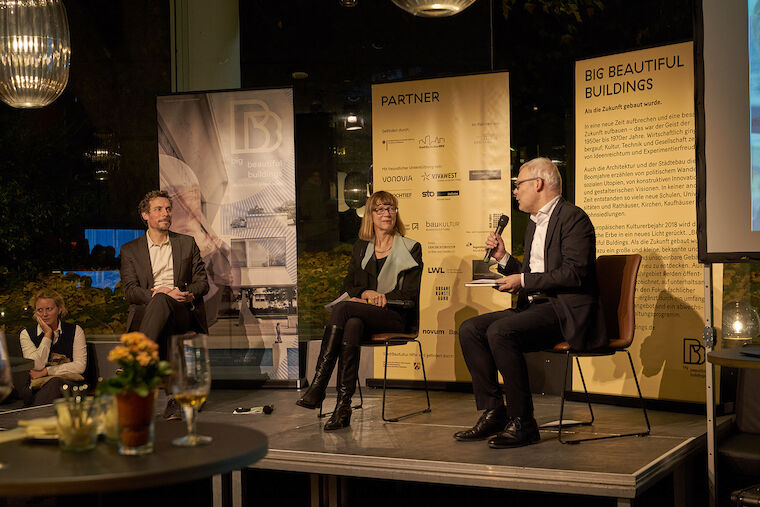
[569,277]
[407,286]
[137,276]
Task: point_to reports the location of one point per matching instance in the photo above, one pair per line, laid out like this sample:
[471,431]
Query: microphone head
[503,221]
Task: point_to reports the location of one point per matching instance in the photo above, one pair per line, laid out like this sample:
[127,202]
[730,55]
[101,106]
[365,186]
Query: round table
[32,468]
[734,358]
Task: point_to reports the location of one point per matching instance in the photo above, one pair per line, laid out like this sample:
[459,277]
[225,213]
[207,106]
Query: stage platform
[421,449]
[370,462]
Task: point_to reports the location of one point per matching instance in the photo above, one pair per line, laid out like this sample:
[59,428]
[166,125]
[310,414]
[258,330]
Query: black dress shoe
[172,412]
[491,422]
[519,431]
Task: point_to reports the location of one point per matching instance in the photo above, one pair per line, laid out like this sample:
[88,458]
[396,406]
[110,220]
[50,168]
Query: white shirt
[41,354]
[537,246]
[161,262]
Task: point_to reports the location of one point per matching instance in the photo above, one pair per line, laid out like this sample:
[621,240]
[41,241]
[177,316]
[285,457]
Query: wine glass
[6,380]
[190,381]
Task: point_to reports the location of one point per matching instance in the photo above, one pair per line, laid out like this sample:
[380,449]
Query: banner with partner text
[228,161]
[636,179]
[442,147]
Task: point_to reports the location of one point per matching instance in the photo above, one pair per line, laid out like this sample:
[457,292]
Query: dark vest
[65,343]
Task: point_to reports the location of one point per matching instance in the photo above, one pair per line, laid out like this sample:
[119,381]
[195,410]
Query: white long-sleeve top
[41,354]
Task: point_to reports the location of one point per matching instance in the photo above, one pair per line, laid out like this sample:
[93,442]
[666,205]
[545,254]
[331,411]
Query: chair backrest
[616,276]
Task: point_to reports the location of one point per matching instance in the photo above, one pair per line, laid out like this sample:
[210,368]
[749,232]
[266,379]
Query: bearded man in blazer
[557,300]
[163,276]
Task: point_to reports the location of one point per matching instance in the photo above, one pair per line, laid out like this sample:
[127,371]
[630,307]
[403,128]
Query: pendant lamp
[35,52]
[433,9]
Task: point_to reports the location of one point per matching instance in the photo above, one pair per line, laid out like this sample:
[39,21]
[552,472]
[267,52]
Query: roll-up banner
[636,179]
[228,161]
[442,147]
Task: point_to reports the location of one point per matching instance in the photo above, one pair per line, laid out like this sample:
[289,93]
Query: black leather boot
[328,354]
[347,371]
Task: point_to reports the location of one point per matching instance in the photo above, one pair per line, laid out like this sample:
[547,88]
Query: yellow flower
[118,353]
[143,358]
[130,339]
[138,342]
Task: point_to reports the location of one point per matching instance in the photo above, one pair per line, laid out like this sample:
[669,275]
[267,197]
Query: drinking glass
[190,382]
[6,380]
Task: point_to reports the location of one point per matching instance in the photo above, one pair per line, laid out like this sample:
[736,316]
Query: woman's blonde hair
[48,294]
[367,229]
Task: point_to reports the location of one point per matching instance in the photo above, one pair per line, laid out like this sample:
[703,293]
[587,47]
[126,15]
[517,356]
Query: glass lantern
[741,324]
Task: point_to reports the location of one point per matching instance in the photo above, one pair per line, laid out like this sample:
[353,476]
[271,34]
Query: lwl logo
[693,351]
[438,269]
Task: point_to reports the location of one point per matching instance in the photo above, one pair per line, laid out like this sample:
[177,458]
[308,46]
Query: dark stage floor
[373,457]
[421,448]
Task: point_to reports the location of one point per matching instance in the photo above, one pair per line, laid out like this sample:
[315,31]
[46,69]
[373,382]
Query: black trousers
[163,317]
[360,320]
[495,342]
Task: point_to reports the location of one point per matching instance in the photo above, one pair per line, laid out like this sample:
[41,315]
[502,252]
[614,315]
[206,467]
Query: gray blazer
[137,276]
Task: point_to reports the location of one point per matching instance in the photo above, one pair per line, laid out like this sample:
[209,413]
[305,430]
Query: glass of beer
[190,381]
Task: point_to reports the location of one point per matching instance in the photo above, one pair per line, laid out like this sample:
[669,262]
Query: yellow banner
[442,147]
[636,179]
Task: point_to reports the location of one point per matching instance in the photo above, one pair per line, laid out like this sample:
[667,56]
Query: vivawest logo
[450,176]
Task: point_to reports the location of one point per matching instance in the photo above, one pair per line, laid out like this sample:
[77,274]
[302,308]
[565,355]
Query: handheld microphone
[503,221]
[403,303]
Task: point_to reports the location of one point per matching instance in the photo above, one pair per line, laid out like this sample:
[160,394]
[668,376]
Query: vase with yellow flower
[135,385]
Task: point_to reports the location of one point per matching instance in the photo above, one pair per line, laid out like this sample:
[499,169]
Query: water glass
[77,424]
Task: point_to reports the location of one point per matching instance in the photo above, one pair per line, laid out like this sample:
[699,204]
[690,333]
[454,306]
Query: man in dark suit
[163,278]
[557,300]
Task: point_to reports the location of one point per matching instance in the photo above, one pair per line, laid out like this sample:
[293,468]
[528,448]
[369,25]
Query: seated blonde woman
[58,348]
[385,266]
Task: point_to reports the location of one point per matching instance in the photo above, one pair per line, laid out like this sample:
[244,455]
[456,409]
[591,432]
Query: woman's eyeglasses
[383,210]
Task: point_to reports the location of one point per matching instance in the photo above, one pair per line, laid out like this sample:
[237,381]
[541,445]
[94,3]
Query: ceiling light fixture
[35,52]
[429,9]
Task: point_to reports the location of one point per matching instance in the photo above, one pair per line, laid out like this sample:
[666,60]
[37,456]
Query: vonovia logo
[255,127]
[693,351]
[397,178]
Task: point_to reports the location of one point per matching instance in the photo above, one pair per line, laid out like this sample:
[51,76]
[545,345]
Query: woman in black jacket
[385,266]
